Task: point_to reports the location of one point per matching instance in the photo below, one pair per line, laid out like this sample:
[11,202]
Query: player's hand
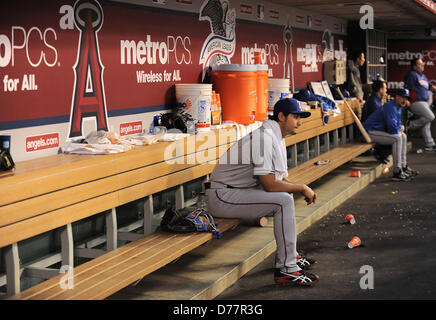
[309,195]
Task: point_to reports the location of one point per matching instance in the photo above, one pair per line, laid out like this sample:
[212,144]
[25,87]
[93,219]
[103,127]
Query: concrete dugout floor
[396,222]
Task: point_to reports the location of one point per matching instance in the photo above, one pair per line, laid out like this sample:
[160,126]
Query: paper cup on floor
[355,174]
[350,219]
[355,242]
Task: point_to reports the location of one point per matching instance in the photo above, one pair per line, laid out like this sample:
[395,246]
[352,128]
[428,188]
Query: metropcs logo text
[426,55]
[22,39]
[270,54]
[150,52]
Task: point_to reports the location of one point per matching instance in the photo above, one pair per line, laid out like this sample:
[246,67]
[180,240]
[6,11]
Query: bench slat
[144,261]
[51,284]
[109,273]
[304,134]
[308,172]
[140,190]
[116,266]
[54,219]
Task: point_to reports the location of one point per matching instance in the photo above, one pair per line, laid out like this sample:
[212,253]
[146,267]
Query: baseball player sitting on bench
[250,181]
[384,127]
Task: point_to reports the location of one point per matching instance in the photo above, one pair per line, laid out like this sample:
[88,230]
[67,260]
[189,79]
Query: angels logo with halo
[88,93]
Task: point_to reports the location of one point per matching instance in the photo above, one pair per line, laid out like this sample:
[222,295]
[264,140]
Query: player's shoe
[298,278]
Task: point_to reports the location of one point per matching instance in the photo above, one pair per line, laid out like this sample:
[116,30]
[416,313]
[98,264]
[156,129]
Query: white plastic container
[277,89]
[196,99]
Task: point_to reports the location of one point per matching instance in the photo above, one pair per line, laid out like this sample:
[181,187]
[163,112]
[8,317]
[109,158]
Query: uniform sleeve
[371,105]
[262,152]
[429,83]
[351,86]
[354,84]
[410,81]
[393,125]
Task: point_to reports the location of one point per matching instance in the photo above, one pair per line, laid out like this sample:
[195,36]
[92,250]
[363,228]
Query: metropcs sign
[10,45]
[151,52]
[429,56]
[400,56]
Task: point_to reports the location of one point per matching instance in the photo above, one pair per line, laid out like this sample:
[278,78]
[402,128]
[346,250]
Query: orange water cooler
[237,86]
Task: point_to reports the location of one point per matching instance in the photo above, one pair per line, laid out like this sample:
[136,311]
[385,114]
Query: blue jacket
[418,82]
[373,103]
[386,118]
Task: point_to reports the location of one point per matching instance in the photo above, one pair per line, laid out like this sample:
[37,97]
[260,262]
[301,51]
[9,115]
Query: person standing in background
[354,82]
[421,97]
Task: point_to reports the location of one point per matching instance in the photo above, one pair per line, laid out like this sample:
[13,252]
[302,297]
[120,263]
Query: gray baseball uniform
[425,116]
[236,192]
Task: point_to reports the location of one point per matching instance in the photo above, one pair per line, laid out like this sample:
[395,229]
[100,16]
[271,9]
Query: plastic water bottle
[190,126]
[155,123]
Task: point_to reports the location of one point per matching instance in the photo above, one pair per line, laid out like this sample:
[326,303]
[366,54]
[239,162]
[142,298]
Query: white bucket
[277,89]
[197,101]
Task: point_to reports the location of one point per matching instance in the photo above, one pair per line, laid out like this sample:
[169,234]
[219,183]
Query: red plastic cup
[350,219]
[355,242]
[355,174]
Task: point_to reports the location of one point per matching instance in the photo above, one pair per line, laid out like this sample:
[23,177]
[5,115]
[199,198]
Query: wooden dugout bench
[55,191]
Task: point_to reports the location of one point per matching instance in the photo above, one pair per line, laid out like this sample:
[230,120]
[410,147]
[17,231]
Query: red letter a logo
[88,95]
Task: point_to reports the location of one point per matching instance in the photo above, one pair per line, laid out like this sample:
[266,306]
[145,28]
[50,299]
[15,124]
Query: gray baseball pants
[398,142]
[255,203]
[425,117]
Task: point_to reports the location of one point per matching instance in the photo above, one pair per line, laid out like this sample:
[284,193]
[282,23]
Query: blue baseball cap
[287,106]
[403,93]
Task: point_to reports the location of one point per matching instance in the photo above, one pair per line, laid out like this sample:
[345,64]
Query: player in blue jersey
[421,97]
[384,127]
